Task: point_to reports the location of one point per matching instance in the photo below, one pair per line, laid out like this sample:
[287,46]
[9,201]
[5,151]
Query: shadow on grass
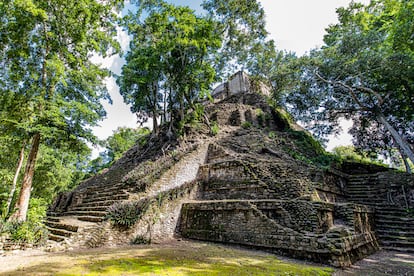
[198,260]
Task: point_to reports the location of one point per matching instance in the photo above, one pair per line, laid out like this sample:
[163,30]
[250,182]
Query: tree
[122,139]
[168,62]
[46,46]
[364,72]
[241,25]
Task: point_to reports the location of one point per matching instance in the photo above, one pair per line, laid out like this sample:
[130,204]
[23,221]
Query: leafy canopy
[364,72]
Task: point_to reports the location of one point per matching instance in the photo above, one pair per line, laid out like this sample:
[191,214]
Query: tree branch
[344,85]
[369,90]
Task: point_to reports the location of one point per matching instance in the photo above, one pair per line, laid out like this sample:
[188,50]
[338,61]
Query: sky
[295,25]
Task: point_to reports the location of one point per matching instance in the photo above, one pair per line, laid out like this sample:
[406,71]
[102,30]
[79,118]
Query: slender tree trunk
[404,147]
[155,123]
[181,109]
[155,107]
[16,176]
[164,114]
[22,203]
[406,164]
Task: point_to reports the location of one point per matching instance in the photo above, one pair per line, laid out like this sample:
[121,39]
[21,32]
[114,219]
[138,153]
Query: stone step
[89,208]
[394,218]
[394,232]
[400,212]
[55,238]
[394,222]
[90,218]
[398,243]
[375,199]
[399,249]
[360,182]
[391,227]
[113,187]
[396,238]
[363,188]
[105,193]
[58,225]
[365,201]
[366,193]
[366,197]
[60,232]
[53,219]
[87,213]
[55,215]
[97,203]
[105,198]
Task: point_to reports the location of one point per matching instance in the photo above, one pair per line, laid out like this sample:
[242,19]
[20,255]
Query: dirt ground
[381,263]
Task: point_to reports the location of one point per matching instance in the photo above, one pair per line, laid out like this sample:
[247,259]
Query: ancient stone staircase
[92,209]
[394,222]
[87,206]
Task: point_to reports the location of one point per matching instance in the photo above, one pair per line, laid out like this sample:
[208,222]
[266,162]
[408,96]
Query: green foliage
[241,25]
[261,116]
[57,170]
[350,153]
[139,239]
[121,140]
[214,128]
[33,230]
[246,125]
[307,149]
[126,214]
[363,73]
[168,67]
[50,90]
[272,135]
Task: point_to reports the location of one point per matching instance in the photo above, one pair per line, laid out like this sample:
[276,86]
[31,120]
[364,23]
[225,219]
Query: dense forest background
[52,94]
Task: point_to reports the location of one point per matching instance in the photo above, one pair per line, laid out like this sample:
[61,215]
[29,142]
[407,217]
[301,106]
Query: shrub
[25,232]
[246,125]
[31,231]
[140,240]
[272,135]
[214,128]
[126,214]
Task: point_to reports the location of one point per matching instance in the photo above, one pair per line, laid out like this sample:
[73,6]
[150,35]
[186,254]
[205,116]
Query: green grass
[184,258]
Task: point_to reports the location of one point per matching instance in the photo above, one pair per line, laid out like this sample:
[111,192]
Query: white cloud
[299,25]
[118,114]
[343,139]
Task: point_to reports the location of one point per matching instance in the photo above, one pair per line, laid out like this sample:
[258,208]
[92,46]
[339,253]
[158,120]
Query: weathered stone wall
[330,186]
[259,179]
[278,226]
[358,217]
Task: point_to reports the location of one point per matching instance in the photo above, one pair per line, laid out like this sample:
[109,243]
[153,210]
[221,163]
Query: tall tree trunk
[22,204]
[16,176]
[404,147]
